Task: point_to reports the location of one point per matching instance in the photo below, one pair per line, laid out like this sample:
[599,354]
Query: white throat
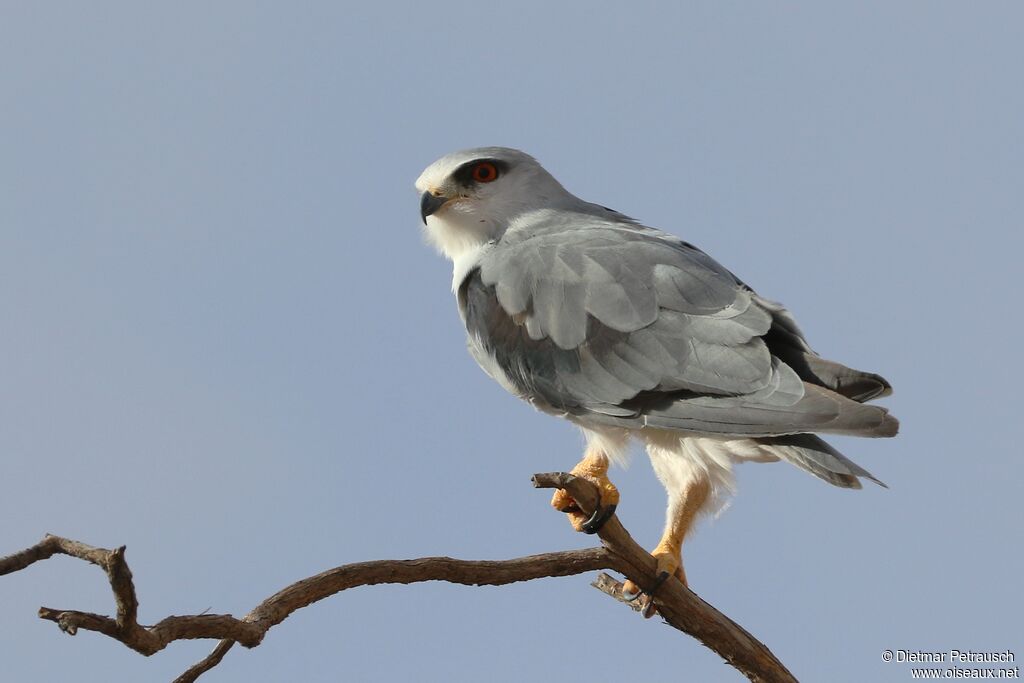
[453,238]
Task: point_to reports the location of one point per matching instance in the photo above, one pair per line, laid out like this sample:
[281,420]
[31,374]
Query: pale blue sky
[224,343]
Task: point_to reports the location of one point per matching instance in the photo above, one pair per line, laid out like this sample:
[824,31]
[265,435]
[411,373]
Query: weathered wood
[619,552]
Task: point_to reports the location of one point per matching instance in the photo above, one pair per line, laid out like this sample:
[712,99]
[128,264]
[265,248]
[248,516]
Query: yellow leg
[683,508]
[594,468]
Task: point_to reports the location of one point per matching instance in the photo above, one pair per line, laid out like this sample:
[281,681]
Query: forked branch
[618,552]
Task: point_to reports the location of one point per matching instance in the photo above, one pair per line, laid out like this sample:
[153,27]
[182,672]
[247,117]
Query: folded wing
[621,324]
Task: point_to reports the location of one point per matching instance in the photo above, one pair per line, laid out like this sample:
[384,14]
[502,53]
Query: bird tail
[812,454]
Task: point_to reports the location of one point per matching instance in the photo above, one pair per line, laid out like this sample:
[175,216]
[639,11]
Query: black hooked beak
[430,204]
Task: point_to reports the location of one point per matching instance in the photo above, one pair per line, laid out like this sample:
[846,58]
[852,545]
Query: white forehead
[437,173]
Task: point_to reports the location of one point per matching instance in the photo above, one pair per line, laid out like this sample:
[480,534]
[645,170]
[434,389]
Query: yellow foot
[669,564]
[597,474]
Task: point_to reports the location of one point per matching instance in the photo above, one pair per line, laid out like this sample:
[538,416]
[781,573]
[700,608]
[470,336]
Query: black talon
[602,513]
[648,611]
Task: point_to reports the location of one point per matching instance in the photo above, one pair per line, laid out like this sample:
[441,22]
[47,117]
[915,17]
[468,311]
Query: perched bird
[628,331]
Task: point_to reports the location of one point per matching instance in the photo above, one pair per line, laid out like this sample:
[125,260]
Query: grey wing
[624,325]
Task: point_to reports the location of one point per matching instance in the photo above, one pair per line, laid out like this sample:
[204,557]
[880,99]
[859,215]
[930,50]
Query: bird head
[469,198]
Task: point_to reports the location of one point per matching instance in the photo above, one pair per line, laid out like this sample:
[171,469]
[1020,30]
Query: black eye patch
[463,175]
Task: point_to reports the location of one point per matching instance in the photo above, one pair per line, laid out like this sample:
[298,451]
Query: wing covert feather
[632,326]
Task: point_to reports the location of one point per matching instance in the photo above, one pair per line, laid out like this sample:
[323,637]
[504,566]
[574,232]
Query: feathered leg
[689,491]
[683,507]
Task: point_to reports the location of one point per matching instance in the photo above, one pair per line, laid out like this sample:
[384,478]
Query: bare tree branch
[619,552]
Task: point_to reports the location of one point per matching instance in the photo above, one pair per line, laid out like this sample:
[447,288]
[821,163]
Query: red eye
[485,172]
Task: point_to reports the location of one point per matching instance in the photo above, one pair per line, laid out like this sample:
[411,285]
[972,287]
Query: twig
[610,586]
[211,660]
